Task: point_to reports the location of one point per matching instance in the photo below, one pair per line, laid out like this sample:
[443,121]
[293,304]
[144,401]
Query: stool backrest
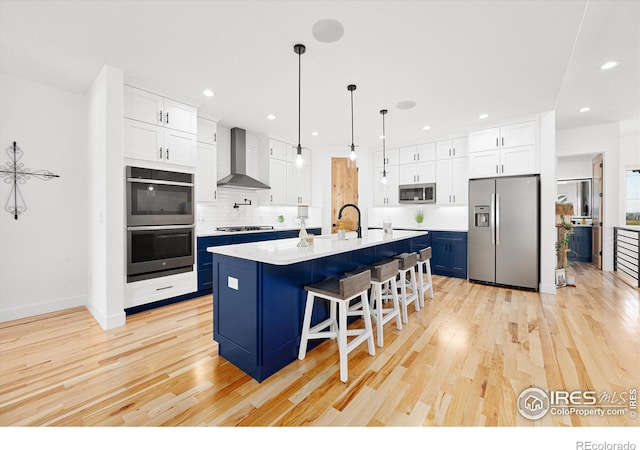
[407,260]
[425,254]
[385,270]
[355,284]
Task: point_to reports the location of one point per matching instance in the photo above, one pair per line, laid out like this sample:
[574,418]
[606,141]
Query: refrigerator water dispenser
[481,215]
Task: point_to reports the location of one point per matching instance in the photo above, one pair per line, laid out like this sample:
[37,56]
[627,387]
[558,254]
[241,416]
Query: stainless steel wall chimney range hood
[238,177]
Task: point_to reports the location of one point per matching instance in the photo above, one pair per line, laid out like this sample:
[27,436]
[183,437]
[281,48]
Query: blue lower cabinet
[449,253]
[580,244]
[204,257]
[204,260]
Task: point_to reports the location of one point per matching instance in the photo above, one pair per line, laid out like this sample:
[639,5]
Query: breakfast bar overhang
[259,296]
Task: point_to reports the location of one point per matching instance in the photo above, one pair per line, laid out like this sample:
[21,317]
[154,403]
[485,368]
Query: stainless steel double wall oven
[160,223]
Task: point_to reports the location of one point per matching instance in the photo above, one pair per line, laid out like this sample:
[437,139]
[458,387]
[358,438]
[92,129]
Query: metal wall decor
[15,172]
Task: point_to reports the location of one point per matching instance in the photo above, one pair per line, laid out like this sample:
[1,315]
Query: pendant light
[299,49]
[351,162]
[384,154]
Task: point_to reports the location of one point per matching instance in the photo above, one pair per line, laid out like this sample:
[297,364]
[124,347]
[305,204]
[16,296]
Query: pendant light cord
[299,95]
[352,144]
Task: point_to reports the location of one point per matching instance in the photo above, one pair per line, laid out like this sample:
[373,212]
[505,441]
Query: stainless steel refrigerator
[504,231]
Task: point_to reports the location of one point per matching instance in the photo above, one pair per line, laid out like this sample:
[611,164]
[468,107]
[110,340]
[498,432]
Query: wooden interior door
[344,189]
[597,205]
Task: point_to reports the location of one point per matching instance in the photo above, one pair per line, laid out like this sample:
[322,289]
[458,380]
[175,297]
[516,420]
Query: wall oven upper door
[158,197]
[159,251]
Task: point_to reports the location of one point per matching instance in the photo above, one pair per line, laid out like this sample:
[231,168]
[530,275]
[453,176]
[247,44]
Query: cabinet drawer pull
[503,141]
[503,168]
[160,152]
[160,116]
[497,142]
[215,137]
[167,115]
[497,171]
[454,151]
[163,288]
[167,153]
[418,155]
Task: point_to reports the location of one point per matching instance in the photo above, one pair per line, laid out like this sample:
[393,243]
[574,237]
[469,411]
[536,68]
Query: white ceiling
[455,59]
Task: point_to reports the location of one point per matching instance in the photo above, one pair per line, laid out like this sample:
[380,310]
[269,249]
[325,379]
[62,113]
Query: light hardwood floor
[463,360]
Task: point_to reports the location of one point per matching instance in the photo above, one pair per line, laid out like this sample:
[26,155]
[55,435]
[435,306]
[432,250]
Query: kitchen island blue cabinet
[204,257]
[259,296]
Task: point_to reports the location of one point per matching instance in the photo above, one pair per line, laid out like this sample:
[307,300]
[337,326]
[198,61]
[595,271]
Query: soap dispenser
[341,232]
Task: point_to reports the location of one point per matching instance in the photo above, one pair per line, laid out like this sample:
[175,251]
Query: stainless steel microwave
[417,193]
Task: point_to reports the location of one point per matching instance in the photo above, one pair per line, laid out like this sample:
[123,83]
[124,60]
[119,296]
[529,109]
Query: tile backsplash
[435,217]
[260,212]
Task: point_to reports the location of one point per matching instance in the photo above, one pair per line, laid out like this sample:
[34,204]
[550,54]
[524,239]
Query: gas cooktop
[246,228]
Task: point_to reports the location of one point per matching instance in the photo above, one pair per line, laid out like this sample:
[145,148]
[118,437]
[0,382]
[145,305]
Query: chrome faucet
[359,229]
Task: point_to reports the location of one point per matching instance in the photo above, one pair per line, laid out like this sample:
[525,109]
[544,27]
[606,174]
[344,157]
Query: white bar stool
[339,292]
[407,263]
[424,268]
[384,287]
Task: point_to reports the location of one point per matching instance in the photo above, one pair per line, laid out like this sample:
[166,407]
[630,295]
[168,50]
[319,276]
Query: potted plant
[419,216]
[280,219]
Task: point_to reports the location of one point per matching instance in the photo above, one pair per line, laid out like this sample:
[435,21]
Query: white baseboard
[40,308]
[108,322]
[547,288]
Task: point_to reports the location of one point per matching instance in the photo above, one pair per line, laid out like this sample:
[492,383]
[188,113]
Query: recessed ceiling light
[314,133]
[271,117]
[585,109]
[426,127]
[406,104]
[610,65]
[327,30]
[483,116]
[208,93]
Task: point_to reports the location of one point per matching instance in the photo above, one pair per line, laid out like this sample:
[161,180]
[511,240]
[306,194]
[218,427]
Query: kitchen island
[259,296]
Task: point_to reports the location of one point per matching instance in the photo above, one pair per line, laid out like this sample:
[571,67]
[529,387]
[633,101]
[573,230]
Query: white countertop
[207,233]
[285,251]
[400,227]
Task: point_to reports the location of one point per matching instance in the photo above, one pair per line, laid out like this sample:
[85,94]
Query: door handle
[492,219]
[497,219]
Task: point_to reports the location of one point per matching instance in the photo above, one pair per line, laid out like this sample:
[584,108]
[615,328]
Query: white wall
[575,166]
[43,254]
[629,159]
[603,139]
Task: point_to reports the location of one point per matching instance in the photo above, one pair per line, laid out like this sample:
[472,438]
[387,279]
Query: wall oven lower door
[156,251]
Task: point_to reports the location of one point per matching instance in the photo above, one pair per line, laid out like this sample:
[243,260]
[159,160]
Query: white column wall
[106,243]
[548,194]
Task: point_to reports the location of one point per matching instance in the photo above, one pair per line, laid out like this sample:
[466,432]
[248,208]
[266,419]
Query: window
[633,197]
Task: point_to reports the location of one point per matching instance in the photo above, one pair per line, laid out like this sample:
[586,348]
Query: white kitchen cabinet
[278,181]
[298,184]
[153,143]
[157,110]
[392,157]
[207,131]
[206,183]
[452,181]
[417,153]
[503,162]
[386,195]
[503,151]
[513,135]
[451,148]
[417,173]
[278,150]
